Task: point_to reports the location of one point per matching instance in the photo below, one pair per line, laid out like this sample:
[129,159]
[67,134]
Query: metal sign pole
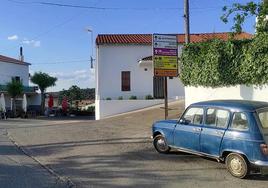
[166,97]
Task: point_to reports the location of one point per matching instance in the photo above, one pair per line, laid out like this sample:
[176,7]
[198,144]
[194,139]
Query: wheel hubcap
[161,144]
[236,166]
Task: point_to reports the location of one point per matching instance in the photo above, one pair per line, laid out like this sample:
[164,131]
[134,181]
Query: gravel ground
[118,152]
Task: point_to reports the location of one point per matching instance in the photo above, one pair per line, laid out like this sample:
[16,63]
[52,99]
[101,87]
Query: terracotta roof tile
[12,60]
[147,38]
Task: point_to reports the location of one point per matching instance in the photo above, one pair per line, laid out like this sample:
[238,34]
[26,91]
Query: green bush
[149,97]
[120,98]
[108,98]
[133,97]
[218,63]
[91,109]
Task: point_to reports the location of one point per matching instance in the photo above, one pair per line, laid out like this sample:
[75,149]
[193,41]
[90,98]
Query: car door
[216,122]
[187,131]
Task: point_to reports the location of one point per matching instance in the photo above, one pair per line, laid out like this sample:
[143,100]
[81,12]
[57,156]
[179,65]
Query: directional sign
[167,45]
[165,55]
[164,51]
[165,62]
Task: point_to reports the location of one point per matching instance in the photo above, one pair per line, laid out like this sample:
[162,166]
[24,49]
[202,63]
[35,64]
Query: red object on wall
[50,101]
[64,104]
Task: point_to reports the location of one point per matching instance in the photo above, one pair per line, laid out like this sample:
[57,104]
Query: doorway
[158,84]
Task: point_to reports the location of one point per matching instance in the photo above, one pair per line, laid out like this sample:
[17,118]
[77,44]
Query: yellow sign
[165,62]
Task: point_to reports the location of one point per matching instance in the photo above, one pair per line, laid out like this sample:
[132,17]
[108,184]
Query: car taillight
[264,149]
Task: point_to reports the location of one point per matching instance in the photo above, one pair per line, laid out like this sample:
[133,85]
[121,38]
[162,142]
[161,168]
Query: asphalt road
[117,152]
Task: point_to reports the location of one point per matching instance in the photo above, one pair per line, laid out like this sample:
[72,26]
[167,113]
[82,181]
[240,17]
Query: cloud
[34,43]
[13,37]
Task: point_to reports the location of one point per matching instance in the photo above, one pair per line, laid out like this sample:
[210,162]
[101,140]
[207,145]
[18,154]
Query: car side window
[194,115]
[239,121]
[217,117]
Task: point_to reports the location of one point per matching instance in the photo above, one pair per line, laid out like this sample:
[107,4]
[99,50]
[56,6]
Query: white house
[11,68]
[124,68]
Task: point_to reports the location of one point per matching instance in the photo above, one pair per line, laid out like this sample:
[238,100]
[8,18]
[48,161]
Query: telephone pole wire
[186,21]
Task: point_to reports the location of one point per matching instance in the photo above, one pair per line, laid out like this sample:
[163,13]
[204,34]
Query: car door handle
[197,129]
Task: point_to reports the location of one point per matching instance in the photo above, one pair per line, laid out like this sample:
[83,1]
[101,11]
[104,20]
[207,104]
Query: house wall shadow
[246,92]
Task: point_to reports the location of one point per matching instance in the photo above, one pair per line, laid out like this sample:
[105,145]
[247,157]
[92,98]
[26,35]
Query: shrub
[133,97]
[149,97]
[120,98]
[218,63]
[91,109]
[108,98]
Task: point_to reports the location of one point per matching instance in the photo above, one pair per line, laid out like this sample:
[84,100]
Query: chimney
[21,55]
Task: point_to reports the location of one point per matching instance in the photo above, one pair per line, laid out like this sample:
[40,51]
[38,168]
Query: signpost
[165,58]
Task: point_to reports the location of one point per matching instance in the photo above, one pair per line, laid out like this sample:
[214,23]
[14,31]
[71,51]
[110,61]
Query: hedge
[217,63]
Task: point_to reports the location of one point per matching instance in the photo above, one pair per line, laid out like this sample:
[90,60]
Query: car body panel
[187,136]
[210,140]
[166,128]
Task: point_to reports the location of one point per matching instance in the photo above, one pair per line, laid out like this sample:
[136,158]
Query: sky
[56,40]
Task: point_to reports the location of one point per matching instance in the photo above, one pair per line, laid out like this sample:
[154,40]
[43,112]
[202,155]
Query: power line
[108,8]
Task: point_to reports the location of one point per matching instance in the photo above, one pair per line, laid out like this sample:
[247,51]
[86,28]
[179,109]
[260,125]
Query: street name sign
[165,55]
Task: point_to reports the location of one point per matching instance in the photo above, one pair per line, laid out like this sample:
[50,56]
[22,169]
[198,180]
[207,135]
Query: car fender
[158,131]
[233,151]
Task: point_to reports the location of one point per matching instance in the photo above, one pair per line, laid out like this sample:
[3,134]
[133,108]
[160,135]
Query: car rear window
[240,121]
[263,116]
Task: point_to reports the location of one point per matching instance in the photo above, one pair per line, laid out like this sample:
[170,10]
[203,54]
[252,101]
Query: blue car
[230,131]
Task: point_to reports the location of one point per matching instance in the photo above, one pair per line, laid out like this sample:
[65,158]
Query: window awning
[146,60]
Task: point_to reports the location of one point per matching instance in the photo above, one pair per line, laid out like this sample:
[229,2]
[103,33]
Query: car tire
[160,144]
[237,165]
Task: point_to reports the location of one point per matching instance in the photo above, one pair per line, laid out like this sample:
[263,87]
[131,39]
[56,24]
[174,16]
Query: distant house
[124,68]
[11,68]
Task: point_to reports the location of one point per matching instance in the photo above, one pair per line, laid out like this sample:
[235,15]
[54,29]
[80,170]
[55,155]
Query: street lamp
[92,43]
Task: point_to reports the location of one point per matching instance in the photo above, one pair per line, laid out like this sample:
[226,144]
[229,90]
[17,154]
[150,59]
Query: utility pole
[186,21]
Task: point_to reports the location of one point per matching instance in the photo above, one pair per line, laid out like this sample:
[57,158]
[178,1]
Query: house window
[16,78]
[125,79]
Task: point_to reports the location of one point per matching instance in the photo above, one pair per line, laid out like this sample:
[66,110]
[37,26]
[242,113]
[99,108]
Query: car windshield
[263,116]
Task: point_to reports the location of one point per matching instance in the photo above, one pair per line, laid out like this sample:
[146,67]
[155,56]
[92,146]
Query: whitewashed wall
[106,108]
[9,70]
[112,59]
[196,94]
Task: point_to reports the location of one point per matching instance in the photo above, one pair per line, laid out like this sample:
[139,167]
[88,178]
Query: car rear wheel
[160,144]
[237,165]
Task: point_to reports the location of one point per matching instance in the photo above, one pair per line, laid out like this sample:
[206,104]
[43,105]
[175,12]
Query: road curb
[67,181]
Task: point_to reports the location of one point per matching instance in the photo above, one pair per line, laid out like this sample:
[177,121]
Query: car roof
[243,105]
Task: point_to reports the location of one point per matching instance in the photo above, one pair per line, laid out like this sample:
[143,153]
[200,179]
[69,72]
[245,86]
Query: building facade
[124,70]
[11,68]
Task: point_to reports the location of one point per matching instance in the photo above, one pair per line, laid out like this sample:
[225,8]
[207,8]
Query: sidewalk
[20,171]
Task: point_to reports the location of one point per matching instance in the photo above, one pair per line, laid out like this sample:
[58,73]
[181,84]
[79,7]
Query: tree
[73,93]
[43,80]
[260,10]
[14,89]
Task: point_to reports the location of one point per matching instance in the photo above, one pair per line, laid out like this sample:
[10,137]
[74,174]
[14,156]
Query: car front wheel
[160,144]
[237,165]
